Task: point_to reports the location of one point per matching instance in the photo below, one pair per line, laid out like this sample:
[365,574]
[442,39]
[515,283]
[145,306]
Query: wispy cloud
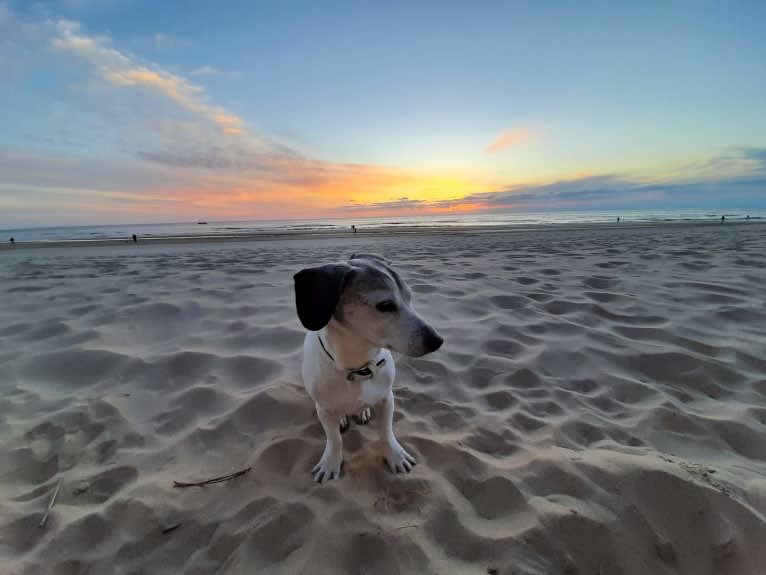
[731,162]
[506,139]
[121,70]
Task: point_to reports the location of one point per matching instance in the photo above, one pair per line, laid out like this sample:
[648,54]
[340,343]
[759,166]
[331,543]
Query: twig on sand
[50,505]
[411,526]
[213,480]
[171,528]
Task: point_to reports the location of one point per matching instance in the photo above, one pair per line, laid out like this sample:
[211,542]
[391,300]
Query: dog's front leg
[396,456]
[329,465]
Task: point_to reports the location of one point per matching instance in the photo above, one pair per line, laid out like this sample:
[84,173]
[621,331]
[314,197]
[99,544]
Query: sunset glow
[113,116]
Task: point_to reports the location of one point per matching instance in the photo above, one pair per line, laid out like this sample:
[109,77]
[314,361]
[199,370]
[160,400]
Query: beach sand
[598,407]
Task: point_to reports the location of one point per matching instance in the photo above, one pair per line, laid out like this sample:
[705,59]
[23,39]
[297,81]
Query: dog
[357,312]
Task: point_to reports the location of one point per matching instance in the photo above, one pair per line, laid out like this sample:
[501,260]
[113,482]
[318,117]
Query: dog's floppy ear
[358,256]
[317,291]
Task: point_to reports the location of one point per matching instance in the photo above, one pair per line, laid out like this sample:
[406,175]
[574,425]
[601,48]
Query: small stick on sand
[50,505]
[171,528]
[213,480]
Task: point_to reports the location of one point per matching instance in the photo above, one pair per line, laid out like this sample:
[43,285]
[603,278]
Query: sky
[133,111]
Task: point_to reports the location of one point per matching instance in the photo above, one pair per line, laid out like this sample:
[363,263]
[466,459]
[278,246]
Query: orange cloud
[299,188]
[506,139]
[227,119]
[120,70]
[229,123]
[232,172]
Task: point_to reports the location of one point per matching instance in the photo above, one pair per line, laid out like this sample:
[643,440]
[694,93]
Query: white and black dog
[356,312]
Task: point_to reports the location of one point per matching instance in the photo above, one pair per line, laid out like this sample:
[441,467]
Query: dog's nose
[433,341]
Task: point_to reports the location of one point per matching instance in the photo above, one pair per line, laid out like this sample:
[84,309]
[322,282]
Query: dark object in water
[202,223]
[135,239]
[13,242]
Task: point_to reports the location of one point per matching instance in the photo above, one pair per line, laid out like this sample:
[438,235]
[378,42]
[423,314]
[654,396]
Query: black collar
[363,371]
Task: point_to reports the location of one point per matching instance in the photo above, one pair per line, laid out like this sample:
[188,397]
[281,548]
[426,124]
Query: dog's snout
[433,341]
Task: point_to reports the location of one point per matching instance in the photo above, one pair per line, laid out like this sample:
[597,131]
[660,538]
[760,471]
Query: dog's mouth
[429,342]
[427,347]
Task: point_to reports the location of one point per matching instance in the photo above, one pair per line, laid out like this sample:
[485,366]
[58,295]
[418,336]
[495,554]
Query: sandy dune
[599,407]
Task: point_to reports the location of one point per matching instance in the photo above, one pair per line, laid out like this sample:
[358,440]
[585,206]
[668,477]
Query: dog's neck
[347,349]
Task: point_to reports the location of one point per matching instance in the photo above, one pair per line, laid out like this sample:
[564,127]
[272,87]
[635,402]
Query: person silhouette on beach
[618,219]
[135,239]
[723,218]
[353,227]
[13,242]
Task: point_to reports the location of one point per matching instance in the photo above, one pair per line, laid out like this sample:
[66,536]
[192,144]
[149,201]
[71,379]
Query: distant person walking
[723,218]
[353,227]
[135,239]
[618,219]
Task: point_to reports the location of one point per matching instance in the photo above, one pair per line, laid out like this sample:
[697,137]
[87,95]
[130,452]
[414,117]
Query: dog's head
[367,297]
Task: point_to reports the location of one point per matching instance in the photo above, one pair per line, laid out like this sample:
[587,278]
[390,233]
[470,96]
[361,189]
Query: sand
[598,407]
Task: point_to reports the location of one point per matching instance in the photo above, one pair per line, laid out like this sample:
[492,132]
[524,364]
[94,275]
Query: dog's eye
[386,306]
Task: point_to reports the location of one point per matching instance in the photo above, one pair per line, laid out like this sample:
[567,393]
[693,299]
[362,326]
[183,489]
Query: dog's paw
[397,458]
[328,467]
[363,417]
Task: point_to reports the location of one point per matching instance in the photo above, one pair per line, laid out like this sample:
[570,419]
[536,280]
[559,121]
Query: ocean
[180,230]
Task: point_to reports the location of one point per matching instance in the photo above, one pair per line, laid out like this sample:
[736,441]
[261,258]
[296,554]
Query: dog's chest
[346,396]
[373,392]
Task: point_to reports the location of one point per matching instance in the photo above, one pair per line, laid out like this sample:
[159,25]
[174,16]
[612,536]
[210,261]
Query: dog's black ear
[377,257]
[317,291]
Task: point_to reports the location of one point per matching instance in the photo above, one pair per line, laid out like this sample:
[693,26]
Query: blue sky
[123,110]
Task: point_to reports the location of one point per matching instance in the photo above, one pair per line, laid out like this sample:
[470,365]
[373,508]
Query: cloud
[507,139]
[159,116]
[169,123]
[733,162]
[606,192]
[231,124]
[755,154]
[614,191]
[26,169]
[37,187]
[395,205]
[121,70]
